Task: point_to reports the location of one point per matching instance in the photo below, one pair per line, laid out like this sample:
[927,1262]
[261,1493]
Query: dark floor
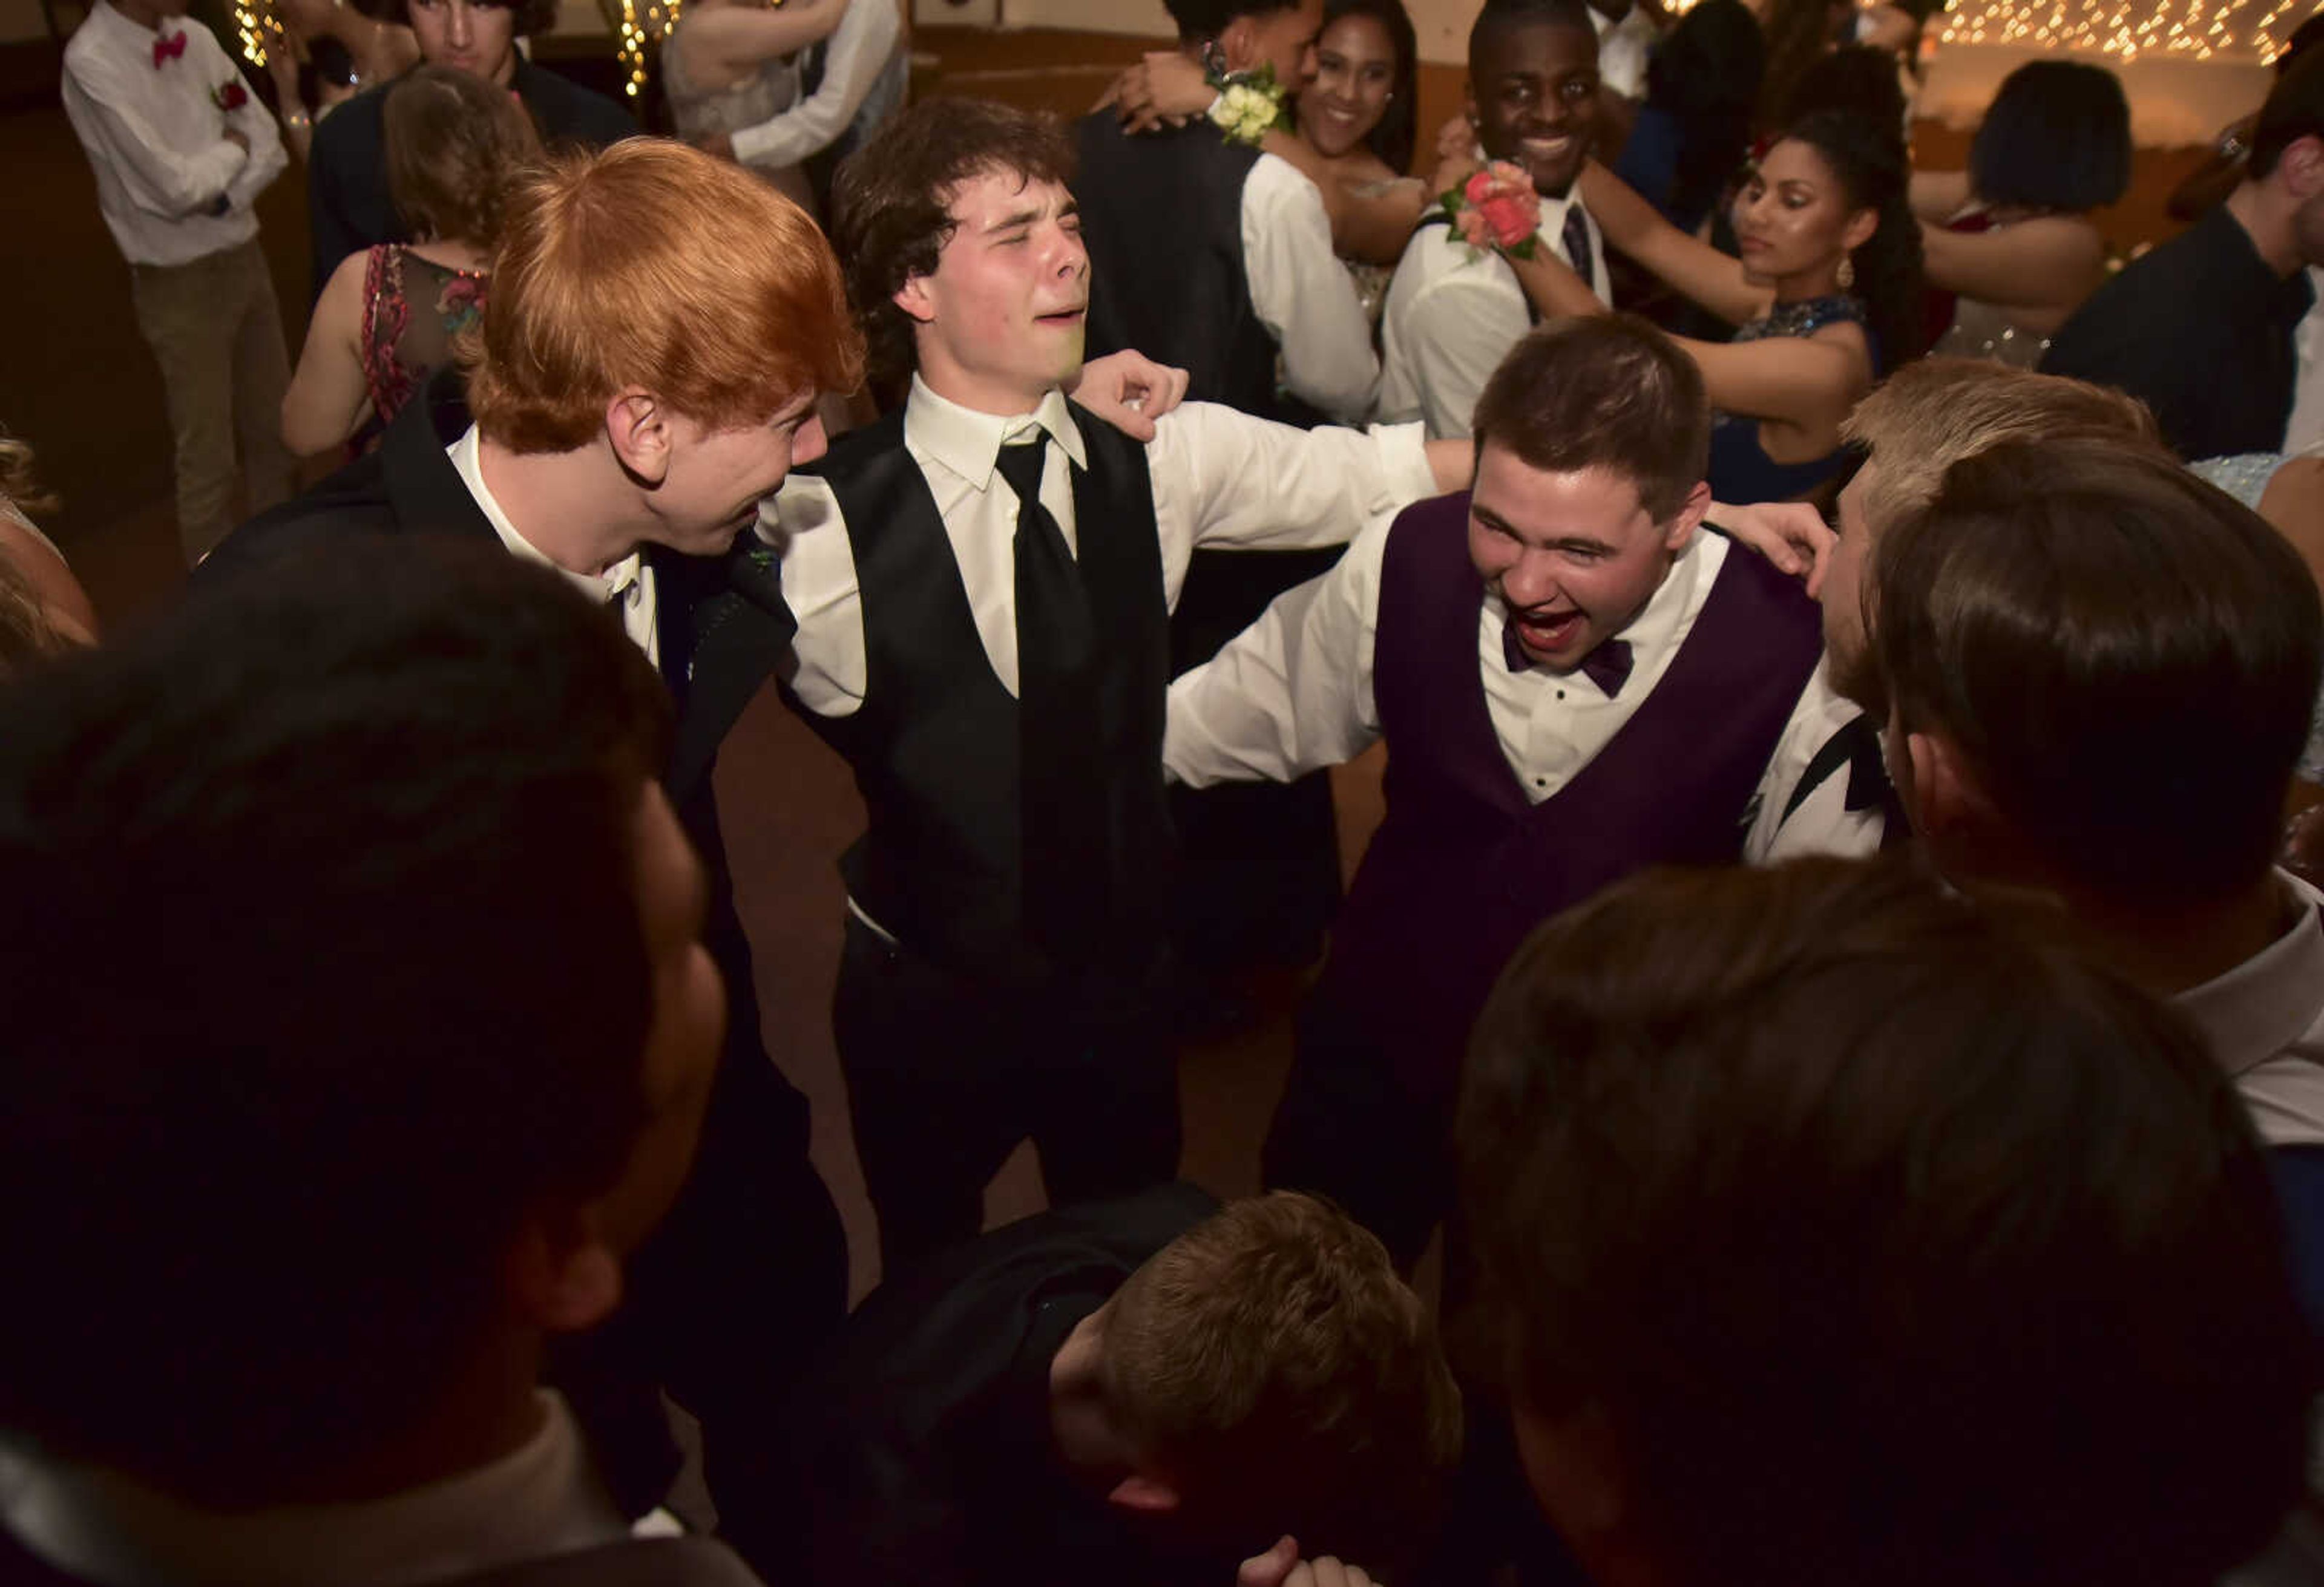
[77,382]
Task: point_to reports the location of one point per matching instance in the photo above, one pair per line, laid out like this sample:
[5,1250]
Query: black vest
[934,742]
[1162,218]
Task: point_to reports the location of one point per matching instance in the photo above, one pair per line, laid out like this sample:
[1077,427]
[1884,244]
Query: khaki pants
[216,332]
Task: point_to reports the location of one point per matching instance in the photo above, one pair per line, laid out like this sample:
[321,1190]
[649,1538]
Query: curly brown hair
[453,144]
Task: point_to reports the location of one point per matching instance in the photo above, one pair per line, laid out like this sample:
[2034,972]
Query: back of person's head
[1199,20]
[1272,1363]
[1705,75]
[1393,140]
[656,265]
[453,144]
[328,63]
[2294,110]
[1835,1232]
[1856,78]
[892,200]
[2067,610]
[1930,415]
[1866,155]
[1799,33]
[2304,38]
[329,976]
[1604,391]
[1499,19]
[2057,136]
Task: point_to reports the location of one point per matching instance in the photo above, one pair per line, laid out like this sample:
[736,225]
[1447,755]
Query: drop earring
[1847,273]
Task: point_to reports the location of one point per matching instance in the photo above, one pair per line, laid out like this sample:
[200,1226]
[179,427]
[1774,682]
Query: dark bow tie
[1608,666]
[168,49]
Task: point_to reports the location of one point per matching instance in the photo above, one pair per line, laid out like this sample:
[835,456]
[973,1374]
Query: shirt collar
[2267,1003]
[600,588]
[969,443]
[543,1497]
[132,32]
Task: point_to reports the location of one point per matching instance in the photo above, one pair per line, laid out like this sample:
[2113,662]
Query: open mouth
[1548,633]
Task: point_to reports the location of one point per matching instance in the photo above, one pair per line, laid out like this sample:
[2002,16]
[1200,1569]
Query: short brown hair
[1893,1242]
[892,200]
[2125,656]
[1272,1361]
[1604,391]
[654,264]
[1930,414]
[453,144]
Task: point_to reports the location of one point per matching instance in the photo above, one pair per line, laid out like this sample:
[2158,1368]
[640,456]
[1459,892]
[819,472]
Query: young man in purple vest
[981,585]
[1574,683]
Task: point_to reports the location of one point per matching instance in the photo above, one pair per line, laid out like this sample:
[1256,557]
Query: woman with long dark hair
[1826,295]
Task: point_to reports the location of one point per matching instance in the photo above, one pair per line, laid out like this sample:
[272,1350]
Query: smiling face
[1355,69]
[479,40]
[1000,321]
[1573,555]
[1794,220]
[1533,93]
[716,478]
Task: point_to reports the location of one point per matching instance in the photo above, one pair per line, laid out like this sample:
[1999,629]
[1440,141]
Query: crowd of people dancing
[1833,986]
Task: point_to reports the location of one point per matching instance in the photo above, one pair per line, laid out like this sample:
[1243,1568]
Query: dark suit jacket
[748,1272]
[347,203]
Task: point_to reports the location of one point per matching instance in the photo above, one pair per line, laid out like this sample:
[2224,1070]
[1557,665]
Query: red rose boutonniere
[1495,209]
[230,95]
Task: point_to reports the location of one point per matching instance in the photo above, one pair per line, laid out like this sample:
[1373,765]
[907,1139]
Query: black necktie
[1608,666]
[1059,736]
[1576,235]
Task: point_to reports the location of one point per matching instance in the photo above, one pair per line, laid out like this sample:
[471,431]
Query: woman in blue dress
[1826,294]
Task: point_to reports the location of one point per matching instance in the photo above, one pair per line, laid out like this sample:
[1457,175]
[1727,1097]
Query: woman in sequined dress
[1826,295]
[2012,235]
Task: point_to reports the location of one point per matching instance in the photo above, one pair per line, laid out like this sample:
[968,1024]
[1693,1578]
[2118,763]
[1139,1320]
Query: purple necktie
[1608,666]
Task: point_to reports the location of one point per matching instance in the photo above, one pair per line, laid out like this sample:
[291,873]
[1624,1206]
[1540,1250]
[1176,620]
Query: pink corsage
[229,94]
[1495,210]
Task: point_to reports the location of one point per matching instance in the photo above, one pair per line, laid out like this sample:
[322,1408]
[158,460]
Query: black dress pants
[947,1074]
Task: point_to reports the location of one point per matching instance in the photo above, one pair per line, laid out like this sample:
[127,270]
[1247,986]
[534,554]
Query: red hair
[655,265]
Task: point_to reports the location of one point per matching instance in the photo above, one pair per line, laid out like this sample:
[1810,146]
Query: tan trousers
[215,331]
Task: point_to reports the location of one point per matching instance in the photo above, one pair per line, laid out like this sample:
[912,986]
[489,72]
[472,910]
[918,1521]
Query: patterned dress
[413,310]
[1741,472]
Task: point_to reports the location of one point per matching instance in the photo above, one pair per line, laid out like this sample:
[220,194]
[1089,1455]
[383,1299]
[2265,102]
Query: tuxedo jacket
[754,1225]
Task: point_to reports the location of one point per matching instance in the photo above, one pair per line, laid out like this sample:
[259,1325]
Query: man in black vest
[982,586]
[1574,683]
[348,208]
[1209,254]
[409,1055]
[711,313]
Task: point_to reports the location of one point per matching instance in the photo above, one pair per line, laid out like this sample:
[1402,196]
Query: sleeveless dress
[413,310]
[1372,279]
[1978,329]
[1741,472]
[2245,477]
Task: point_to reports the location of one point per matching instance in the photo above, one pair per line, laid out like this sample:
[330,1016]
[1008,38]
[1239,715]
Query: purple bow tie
[1608,666]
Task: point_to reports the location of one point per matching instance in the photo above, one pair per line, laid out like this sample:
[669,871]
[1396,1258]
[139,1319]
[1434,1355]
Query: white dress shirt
[2305,429]
[543,1499]
[629,581]
[856,53]
[1220,478]
[1304,295]
[1293,692]
[157,139]
[2264,1023]
[1823,824]
[1623,49]
[1453,315]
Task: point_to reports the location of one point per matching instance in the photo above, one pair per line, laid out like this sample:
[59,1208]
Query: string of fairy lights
[637,30]
[2244,28]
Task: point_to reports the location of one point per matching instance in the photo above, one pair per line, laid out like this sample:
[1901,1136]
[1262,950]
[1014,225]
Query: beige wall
[20,20]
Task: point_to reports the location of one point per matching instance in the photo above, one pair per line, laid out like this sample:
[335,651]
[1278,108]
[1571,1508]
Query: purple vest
[1464,866]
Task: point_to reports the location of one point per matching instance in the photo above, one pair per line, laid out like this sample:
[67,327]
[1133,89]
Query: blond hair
[1930,414]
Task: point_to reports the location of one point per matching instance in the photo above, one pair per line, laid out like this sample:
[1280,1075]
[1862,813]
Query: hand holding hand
[1130,391]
